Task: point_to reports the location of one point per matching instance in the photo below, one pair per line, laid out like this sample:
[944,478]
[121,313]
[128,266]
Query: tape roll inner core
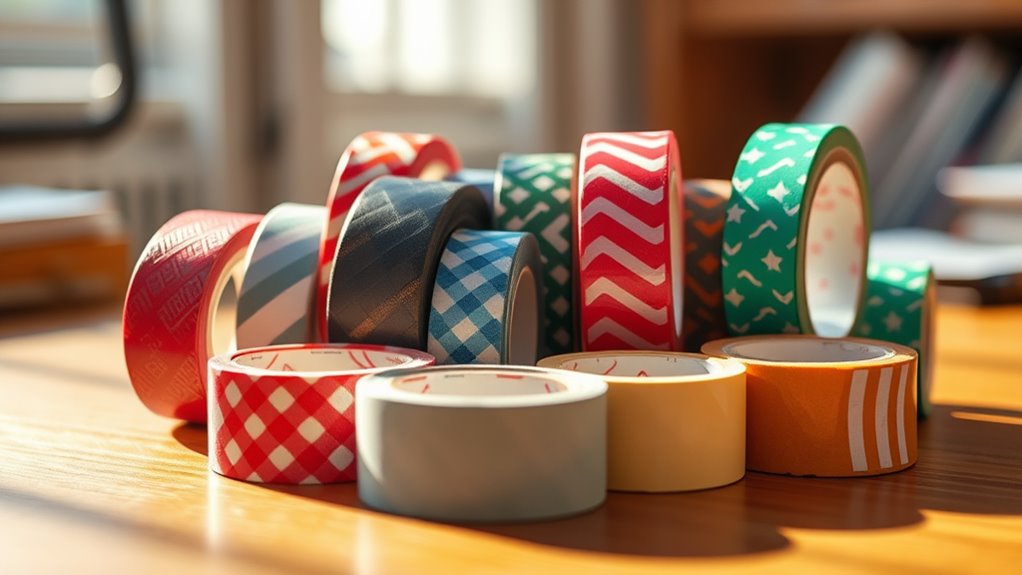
[523,329]
[805,350]
[435,171]
[479,383]
[676,227]
[834,254]
[224,311]
[320,360]
[640,365]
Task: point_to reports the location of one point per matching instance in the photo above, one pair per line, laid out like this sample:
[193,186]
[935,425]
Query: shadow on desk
[970,462]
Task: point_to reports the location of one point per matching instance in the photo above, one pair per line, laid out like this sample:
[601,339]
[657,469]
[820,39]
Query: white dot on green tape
[796,232]
[901,300]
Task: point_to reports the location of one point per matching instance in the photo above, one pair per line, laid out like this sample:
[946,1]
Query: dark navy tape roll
[486,299]
[481,179]
[386,262]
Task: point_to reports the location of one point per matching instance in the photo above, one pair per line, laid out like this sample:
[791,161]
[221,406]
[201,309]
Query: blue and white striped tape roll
[486,299]
[275,300]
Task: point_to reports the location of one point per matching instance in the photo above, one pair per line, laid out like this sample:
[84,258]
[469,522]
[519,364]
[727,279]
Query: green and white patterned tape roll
[533,194]
[900,302]
[796,232]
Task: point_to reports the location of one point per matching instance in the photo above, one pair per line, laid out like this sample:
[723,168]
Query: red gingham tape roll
[369,156]
[285,414]
[169,308]
[630,232]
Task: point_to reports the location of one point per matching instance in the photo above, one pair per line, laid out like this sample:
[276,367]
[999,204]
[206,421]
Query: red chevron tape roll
[629,239]
[286,413]
[369,156]
[174,294]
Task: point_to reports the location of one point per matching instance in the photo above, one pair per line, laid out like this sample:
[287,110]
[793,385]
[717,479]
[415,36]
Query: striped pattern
[275,301]
[466,322]
[369,156]
[626,283]
[881,419]
[535,196]
[705,203]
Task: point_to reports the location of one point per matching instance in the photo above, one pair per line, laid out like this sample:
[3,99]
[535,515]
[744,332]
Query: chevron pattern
[705,205]
[169,292]
[898,296]
[624,250]
[535,196]
[761,267]
[275,300]
[369,156]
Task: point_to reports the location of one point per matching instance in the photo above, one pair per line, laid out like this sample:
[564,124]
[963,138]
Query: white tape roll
[466,443]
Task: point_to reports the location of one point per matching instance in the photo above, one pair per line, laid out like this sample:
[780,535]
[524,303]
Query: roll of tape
[486,299]
[901,302]
[675,421]
[387,263]
[172,319]
[482,443]
[481,179]
[534,194]
[630,250]
[275,300]
[797,232]
[285,414]
[369,156]
[705,205]
[826,407]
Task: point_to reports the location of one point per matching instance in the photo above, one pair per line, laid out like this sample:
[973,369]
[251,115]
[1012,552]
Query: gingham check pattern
[283,429]
[466,323]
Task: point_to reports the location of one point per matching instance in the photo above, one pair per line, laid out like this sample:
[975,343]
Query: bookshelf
[717,69]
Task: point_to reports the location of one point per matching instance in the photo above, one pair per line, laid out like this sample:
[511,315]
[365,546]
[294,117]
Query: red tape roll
[168,312]
[630,241]
[286,413]
[369,156]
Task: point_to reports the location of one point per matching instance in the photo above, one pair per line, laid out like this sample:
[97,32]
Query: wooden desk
[91,481]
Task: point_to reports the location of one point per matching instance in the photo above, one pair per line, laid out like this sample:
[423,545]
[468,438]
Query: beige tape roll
[676,421]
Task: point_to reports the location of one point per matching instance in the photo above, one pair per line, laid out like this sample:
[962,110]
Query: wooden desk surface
[90,481]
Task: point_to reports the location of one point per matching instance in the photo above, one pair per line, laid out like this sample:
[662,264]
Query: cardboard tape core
[523,331]
[641,365]
[805,350]
[478,383]
[321,360]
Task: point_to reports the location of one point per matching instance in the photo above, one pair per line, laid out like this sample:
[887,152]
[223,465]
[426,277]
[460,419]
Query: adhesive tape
[675,421]
[901,302]
[486,296]
[483,180]
[382,286]
[705,205]
[534,194]
[285,414]
[369,156]
[481,443]
[630,244]
[173,321]
[826,407]
[275,299]
[796,233]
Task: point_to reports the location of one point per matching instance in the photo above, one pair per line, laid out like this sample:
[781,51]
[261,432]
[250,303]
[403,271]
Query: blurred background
[145,108]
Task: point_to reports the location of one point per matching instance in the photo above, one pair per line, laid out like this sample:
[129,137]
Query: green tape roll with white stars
[796,233]
[901,301]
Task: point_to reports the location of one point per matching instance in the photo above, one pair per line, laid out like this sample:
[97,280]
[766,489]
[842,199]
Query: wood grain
[90,482]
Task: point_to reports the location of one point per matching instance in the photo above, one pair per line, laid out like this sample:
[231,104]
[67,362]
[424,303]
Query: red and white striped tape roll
[286,413]
[630,241]
[170,306]
[369,156]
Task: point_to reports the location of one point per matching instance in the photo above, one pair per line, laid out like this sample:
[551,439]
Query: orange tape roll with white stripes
[826,407]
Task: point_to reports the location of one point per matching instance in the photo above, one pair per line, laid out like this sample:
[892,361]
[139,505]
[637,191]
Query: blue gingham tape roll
[275,300]
[486,299]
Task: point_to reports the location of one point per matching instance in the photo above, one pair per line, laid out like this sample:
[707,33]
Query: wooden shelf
[819,17]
